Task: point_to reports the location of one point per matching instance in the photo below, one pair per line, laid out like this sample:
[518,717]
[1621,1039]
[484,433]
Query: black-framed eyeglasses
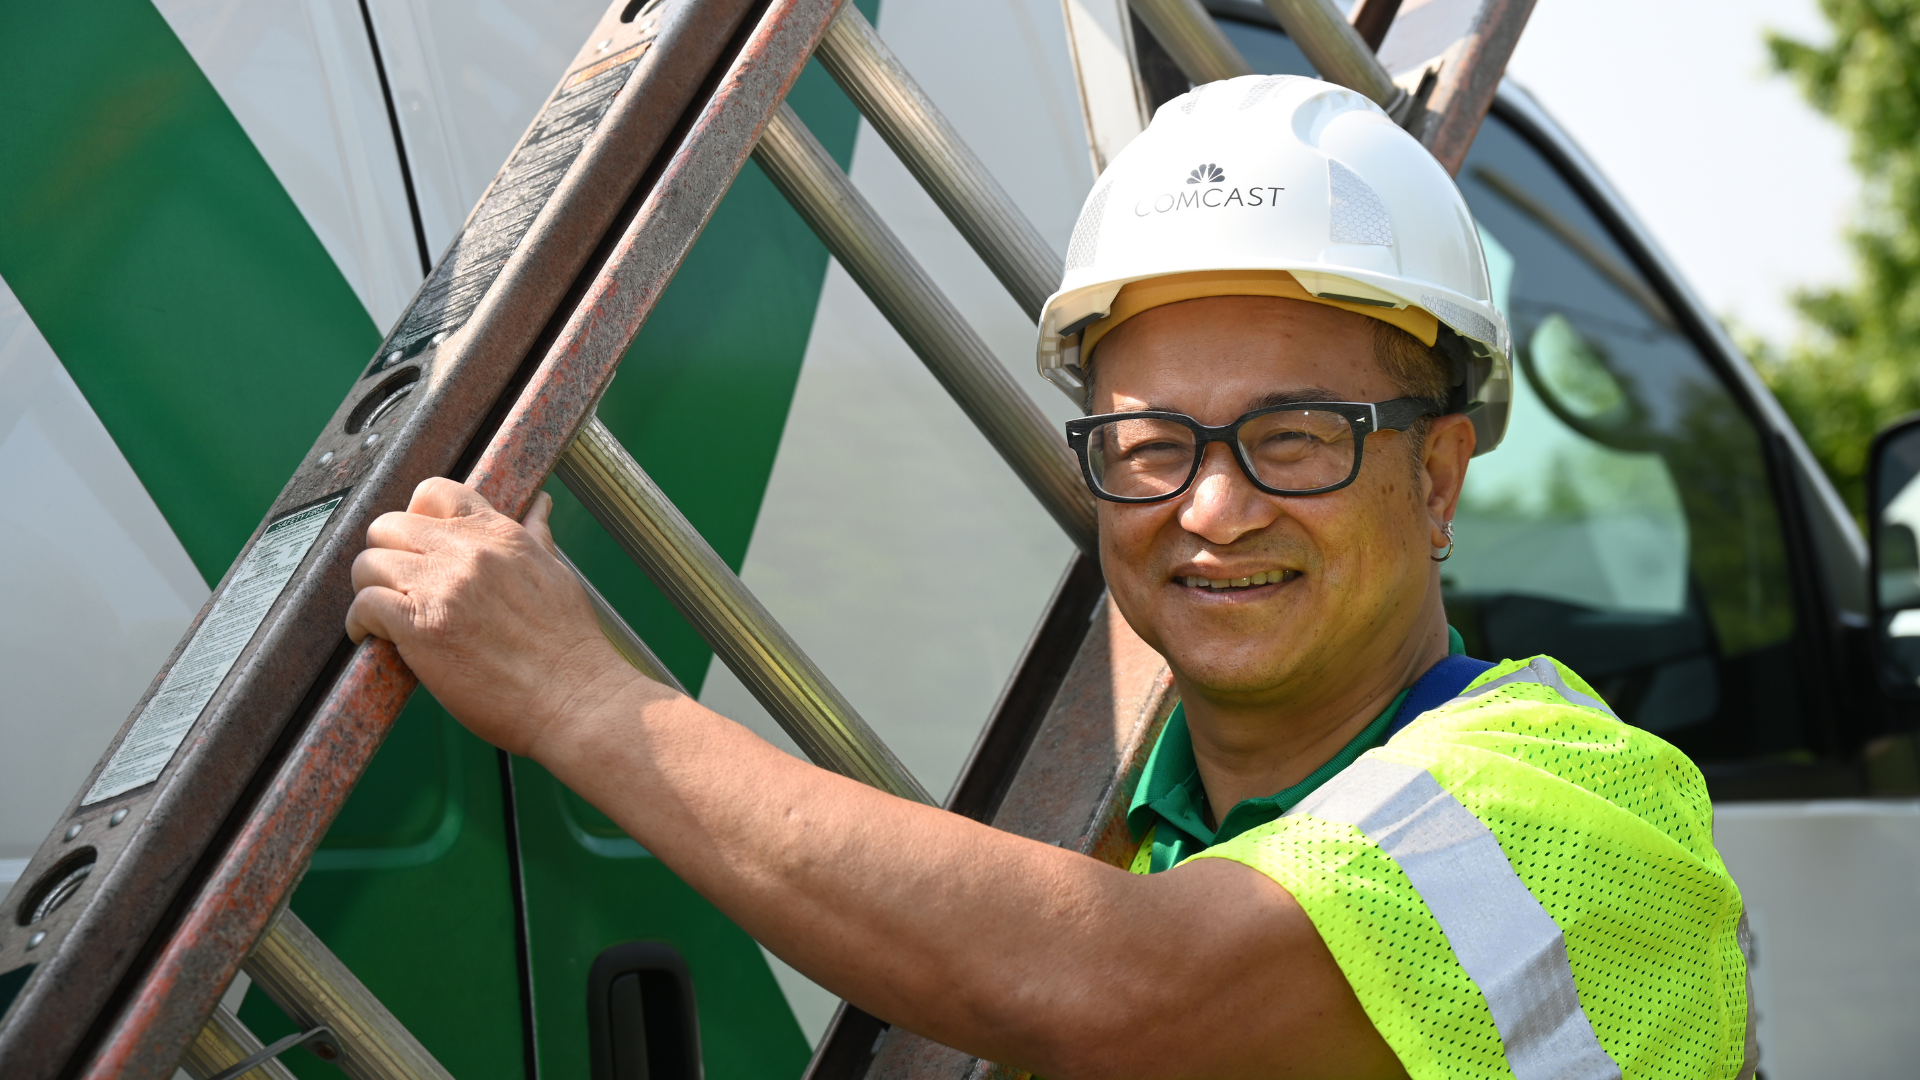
[1305,448]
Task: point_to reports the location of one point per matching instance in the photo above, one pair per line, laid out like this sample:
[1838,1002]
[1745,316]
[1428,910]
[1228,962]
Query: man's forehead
[1240,347]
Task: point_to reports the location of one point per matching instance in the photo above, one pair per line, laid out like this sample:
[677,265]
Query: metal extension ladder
[171,870]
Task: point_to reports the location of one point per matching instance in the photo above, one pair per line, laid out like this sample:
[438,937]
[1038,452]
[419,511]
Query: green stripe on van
[166,266]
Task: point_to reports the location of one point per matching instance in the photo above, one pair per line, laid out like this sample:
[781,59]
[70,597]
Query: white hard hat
[1236,180]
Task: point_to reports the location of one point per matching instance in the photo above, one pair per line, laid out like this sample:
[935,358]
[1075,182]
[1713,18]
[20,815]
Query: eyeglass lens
[1295,450]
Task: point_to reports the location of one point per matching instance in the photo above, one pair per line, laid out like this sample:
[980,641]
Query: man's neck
[1252,751]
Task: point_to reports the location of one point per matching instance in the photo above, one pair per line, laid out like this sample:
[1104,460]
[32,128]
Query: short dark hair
[1417,370]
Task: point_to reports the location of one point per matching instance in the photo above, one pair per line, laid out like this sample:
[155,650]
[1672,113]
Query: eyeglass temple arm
[1400,413]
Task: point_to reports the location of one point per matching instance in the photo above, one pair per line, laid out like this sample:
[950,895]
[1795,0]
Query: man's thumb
[536,521]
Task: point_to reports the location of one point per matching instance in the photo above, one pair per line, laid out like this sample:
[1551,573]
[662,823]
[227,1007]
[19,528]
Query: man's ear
[1450,443]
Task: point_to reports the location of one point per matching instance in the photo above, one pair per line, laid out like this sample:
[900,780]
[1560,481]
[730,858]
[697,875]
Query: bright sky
[1745,187]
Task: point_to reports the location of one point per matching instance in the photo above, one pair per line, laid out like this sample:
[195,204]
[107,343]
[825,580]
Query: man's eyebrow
[1278,397]
[1305,393]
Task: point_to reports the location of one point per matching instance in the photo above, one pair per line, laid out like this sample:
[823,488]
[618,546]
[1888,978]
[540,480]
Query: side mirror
[1893,516]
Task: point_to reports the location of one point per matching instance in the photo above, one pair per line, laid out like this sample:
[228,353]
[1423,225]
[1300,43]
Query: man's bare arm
[1004,947]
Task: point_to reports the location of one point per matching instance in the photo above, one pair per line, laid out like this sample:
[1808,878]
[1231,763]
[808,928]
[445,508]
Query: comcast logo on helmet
[1210,195]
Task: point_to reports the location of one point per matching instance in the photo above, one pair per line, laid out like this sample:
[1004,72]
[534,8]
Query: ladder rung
[803,171]
[1340,54]
[600,472]
[224,1043]
[1198,46]
[312,986]
[623,638]
[934,153]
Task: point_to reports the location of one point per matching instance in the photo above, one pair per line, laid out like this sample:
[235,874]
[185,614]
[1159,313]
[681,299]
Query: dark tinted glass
[1627,525]
[1268,51]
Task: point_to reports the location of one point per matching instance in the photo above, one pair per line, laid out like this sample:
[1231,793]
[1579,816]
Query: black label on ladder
[216,645]
[502,219]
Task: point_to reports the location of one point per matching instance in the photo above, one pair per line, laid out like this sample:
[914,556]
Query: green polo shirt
[1171,802]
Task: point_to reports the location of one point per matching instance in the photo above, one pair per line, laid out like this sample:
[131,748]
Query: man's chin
[1223,674]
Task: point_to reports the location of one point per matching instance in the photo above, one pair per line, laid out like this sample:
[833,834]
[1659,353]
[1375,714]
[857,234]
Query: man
[1361,855]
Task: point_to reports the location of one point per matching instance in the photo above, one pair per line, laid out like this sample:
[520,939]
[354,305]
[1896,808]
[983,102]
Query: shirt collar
[1170,790]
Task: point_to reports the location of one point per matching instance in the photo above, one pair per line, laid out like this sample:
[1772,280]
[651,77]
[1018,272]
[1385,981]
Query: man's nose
[1223,505]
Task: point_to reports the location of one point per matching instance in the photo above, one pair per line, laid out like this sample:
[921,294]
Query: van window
[1626,525]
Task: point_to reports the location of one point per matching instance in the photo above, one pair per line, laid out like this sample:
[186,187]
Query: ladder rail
[1372,19]
[803,171]
[1039,679]
[172,999]
[1468,79]
[633,509]
[155,811]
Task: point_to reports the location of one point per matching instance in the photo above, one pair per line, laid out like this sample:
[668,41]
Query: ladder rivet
[119,816]
[371,439]
[73,830]
[394,357]
[38,937]
[441,337]
[326,458]
[607,44]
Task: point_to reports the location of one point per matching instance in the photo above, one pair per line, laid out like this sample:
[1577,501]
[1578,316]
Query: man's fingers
[378,611]
[407,531]
[537,524]
[439,497]
[388,568]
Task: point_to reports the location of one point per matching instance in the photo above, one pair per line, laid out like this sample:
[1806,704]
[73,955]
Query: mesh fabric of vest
[1609,827]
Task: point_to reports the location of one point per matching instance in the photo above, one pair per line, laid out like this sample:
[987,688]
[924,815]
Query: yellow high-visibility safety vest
[1520,885]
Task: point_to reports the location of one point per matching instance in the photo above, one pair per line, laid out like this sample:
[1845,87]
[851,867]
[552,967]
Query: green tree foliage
[1858,365]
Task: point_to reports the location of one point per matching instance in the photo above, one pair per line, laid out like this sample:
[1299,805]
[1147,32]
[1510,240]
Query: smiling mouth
[1268,577]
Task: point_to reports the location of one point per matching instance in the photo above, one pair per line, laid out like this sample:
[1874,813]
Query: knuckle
[431,486]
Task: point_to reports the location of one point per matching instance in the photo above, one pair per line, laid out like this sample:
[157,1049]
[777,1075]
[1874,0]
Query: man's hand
[482,610]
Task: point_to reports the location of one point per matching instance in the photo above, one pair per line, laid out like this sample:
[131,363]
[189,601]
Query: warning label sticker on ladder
[204,664]
[503,218]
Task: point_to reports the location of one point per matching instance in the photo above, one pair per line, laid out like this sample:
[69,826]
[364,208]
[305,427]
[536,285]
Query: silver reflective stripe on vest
[1538,670]
[1744,935]
[1506,941]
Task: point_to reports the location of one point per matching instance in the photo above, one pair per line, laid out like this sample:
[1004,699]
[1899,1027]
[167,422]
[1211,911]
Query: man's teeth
[1262,578]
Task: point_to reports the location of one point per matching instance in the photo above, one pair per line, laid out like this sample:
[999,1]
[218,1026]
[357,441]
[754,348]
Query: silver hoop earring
[1446,528]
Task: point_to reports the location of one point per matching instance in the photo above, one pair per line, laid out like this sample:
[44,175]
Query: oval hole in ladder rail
[382,399]
[636,8]
[56,887]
